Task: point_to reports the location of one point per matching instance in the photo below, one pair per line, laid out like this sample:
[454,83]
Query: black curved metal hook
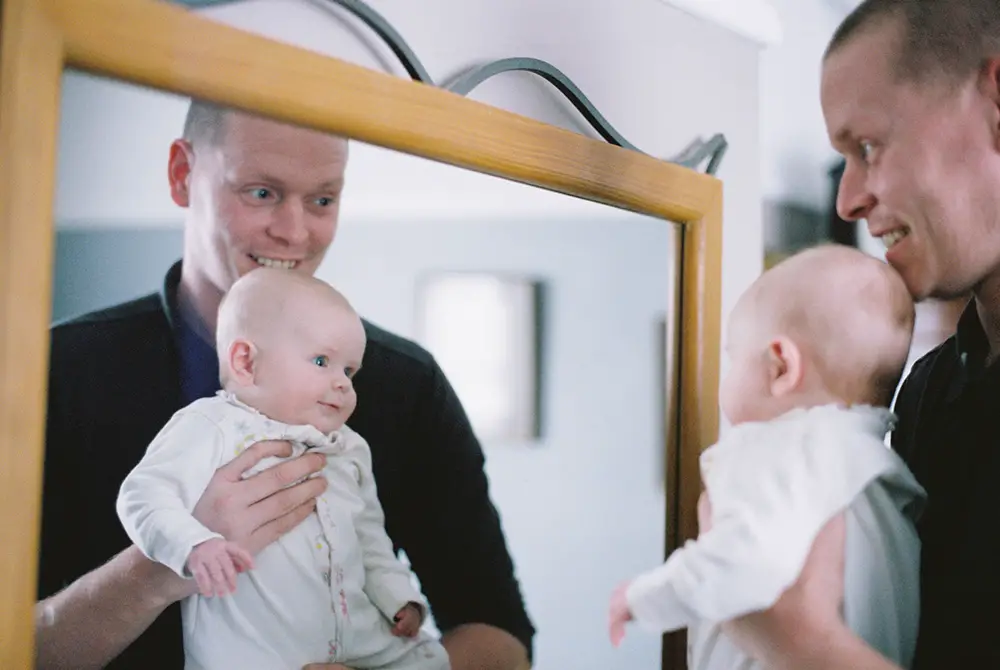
[691,157]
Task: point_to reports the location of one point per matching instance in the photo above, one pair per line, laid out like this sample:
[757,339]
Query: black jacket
[114,382]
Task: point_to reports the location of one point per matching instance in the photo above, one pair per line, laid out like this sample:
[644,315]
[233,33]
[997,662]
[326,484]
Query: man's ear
[179,172]
[242,361]
[990,86]
[784,363]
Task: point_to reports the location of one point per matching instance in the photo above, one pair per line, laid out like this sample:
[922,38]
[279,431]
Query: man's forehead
[248,137]
[856,84]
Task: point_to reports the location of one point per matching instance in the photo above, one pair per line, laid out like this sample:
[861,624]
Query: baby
[817,346]
[331,590]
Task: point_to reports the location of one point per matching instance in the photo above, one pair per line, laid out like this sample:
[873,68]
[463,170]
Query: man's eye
[260,193]
[321,361]
[866,149]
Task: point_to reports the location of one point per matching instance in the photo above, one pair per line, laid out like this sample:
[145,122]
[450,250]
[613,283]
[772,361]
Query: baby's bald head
[269,303]
[849,313]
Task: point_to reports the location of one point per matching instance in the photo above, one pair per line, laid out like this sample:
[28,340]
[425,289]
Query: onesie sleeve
[733,569]
[157,497]
[388,582]
[769,502]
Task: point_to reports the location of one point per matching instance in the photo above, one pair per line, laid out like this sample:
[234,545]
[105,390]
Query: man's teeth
[889,239]
[275,263]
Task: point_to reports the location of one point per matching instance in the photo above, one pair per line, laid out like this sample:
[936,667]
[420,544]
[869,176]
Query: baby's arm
[157,497]
[388,582]
[735,568]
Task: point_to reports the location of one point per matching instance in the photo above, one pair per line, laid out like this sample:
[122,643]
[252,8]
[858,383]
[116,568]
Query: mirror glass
[548,314]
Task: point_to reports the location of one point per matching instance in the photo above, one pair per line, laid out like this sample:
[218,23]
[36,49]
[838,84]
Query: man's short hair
[205,123]
[949,38]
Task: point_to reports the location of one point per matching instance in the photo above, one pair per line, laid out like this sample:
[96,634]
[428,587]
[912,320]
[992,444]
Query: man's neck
[198,301]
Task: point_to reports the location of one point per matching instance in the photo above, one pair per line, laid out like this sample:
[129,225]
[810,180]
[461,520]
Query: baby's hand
[407,621]
[215,564]
[618,614]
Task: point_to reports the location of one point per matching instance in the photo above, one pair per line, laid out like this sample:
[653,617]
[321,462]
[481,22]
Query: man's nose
[854,198]
[289,223]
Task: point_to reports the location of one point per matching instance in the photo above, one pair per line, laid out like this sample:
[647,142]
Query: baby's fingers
[228,573]
[202,579]
[217,574]
[617,632]
[242,558]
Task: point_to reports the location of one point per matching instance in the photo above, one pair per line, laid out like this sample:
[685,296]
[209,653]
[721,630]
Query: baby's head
[828,325]
[289,345]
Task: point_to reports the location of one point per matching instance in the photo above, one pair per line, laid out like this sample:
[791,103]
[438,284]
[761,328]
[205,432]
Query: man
[911,97]
[256,193]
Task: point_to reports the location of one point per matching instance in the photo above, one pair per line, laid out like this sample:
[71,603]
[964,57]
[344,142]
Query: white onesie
[772,487]
[326,591]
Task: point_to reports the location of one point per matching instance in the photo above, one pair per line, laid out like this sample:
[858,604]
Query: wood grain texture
[29,117]
[698,422]
[167,47]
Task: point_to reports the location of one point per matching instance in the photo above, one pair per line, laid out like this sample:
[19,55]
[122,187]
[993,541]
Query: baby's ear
[242,361]
[784,366]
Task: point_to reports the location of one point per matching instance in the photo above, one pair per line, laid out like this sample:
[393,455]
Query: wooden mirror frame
[167,47]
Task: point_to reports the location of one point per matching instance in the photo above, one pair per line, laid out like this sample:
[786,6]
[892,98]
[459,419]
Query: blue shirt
[199,363]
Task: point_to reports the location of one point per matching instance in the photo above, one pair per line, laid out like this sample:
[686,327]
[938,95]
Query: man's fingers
[252,455]
[704,513]
[283,502]
[830,540]
[823,571]
[266,483]
[271,531]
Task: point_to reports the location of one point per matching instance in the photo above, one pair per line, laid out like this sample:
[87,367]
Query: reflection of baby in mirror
[332,589]
[817,346]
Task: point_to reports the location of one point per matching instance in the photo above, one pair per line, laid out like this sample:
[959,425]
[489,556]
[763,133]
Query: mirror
[579,300]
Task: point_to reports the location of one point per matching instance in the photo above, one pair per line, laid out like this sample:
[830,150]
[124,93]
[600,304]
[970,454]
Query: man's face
[265,194]
[921,165]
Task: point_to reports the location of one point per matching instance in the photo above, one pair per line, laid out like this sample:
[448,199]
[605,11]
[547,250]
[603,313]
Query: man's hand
[796,630]
[618,614]
[257,511]
[215,564]
[407,621]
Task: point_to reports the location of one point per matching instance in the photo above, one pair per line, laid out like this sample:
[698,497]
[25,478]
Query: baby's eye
[349,372]
[321,361]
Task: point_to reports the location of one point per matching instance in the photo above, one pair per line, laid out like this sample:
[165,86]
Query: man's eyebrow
[332,185]
[843,136]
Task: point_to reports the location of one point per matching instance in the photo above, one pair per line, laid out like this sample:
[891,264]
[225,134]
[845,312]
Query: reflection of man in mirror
[255,193]
[911,98]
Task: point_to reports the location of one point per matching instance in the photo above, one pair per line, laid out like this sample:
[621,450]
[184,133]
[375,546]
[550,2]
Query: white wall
[659,74]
